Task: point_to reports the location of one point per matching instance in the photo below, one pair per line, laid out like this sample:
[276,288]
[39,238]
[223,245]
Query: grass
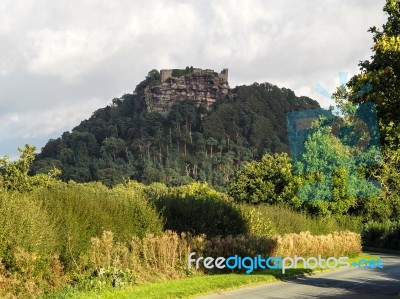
[193,286]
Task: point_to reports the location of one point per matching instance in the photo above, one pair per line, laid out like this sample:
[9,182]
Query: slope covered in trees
[125,141]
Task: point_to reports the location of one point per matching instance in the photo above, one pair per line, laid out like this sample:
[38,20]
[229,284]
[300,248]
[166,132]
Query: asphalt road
[348,283]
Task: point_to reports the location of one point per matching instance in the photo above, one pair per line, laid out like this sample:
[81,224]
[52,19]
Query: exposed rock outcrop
[204,87]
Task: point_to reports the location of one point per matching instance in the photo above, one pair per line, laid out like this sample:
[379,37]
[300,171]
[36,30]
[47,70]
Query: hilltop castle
[204,87]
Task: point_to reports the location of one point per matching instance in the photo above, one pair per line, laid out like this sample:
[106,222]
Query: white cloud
[37,124]
[5,68]
[65,53]
[72,49]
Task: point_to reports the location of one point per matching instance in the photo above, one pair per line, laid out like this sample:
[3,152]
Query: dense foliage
[382,234]
[198,209]
[379,83]
[379,79]
[81,211]
[269,180]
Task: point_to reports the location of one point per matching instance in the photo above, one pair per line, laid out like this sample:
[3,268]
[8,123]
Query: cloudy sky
[62,60]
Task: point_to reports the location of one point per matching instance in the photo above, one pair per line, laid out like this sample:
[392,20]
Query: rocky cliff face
[204,87]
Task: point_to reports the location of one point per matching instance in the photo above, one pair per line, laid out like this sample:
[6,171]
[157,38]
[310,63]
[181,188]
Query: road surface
[348,284]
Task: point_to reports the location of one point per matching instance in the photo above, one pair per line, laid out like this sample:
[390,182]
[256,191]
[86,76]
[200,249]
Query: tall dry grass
[151,258]
[165,256]
[344,243]
[31,275]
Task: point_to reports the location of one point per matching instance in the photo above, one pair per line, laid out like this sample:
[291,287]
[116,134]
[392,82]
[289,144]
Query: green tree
[269,180]
[14,174]
[113,148]
[379,80]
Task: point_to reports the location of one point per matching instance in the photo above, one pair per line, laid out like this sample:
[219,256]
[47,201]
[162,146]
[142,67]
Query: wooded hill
[126,141]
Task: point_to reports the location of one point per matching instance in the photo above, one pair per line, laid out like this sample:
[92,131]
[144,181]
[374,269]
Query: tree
[269,180]
[14,174]
[329,170]
[379,80]
[388,174]
[113,148]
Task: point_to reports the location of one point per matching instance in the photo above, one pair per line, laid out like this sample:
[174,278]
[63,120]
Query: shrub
[200,210]
[29,264]
[285,220]
[382,234]
[82,211]
[179,72]
[269,180]
[257,223]
[24,225]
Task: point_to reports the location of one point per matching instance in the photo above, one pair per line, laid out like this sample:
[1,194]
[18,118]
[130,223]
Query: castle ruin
[203,87]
